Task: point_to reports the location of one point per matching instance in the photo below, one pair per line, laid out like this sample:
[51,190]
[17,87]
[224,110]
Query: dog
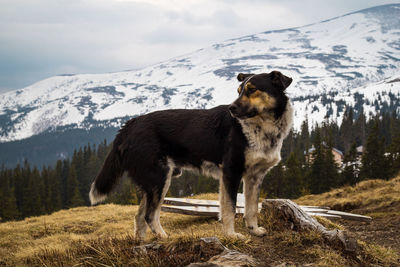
[232,142]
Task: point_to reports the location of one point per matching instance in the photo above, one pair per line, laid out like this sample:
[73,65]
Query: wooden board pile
[203,207]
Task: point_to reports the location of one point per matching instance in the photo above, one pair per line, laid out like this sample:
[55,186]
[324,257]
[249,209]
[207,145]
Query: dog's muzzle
[241,112]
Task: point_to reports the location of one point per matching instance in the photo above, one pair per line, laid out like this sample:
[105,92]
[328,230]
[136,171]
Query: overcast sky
[42,38]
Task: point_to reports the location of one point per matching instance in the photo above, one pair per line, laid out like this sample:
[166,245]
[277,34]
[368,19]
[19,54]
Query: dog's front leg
[251,187]
[228,195]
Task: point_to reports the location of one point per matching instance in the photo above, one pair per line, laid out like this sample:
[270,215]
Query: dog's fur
[229,142]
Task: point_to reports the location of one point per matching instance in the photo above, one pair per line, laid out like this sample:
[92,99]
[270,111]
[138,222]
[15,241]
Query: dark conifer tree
[272,186]
[304,136]
[124,193]
[36,189]
[8,207]
[346,129]
[317,160]
[52,195]
[18,185]
[330,168]
[374,163]
[351,167]
[27,190]
[359,129]
[74,197]
[394,147]
[64,182]
[293,177]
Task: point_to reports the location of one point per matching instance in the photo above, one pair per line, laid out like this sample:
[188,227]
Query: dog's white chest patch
[265,137]
[264,146]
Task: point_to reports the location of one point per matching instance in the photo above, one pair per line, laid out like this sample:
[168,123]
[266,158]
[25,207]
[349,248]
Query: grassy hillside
[373,197]
[102,236]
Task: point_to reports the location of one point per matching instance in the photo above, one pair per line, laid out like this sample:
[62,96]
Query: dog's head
[260,94]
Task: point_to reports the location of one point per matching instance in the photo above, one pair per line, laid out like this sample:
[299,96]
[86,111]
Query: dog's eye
[251,90]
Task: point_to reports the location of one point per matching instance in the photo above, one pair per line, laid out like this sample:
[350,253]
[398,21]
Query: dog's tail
[107,178]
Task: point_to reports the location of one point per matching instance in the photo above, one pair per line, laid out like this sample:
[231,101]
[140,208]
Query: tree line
[371,150]
[29,191]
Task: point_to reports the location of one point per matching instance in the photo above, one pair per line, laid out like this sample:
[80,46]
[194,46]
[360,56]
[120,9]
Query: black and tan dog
[229,142]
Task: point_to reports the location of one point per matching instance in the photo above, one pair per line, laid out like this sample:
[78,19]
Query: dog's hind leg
[153,207]
[140,222]
[251,188]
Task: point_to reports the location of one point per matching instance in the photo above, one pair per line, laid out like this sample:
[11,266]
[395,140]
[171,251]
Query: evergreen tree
[27,190]
[359,129]
[373,161]
[351,167]
[124,193]
[293,177]
[52,191]
[58,176]
[272,186]
[18,185]
[395,147]
[74,197]
[304,134]
[33,195]
[317,160]
[330,168]
[8,207]
[64,182]
[346,129]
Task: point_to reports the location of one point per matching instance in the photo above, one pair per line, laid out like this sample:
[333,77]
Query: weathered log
[289,212]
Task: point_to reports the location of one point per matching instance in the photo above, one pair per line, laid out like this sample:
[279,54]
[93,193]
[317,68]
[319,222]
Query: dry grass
[210,196]
[368,197]
[102,236]
[90,234]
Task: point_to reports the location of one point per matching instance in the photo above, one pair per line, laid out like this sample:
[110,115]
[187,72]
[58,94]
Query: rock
[233,258]
[227,257]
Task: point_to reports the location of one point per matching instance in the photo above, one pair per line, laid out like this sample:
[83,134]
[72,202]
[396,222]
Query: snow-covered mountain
[351,60]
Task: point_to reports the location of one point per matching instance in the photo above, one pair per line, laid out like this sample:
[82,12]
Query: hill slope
[103,235]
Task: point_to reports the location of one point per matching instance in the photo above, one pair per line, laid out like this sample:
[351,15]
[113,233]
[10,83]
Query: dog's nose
[233,108]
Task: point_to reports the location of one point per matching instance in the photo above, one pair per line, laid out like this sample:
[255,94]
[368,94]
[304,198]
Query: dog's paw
[162,235]
[237,235]
[258,231]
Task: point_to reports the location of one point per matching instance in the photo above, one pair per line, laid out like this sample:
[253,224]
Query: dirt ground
[384,231]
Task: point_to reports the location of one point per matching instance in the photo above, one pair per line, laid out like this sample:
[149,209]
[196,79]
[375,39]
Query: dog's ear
[280,80]
[241,76]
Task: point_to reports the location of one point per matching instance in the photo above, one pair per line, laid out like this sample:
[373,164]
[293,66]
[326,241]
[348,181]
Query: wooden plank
[306,209]
[326,215]
[215,203]
[203,207]
[196,210]
[214,211]
[350,216]
[191,202]
[315,207]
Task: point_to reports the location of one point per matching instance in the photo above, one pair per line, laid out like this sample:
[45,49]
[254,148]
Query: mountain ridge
[335,63]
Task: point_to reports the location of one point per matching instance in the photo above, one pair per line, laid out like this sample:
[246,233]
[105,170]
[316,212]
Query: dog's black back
[188,137]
